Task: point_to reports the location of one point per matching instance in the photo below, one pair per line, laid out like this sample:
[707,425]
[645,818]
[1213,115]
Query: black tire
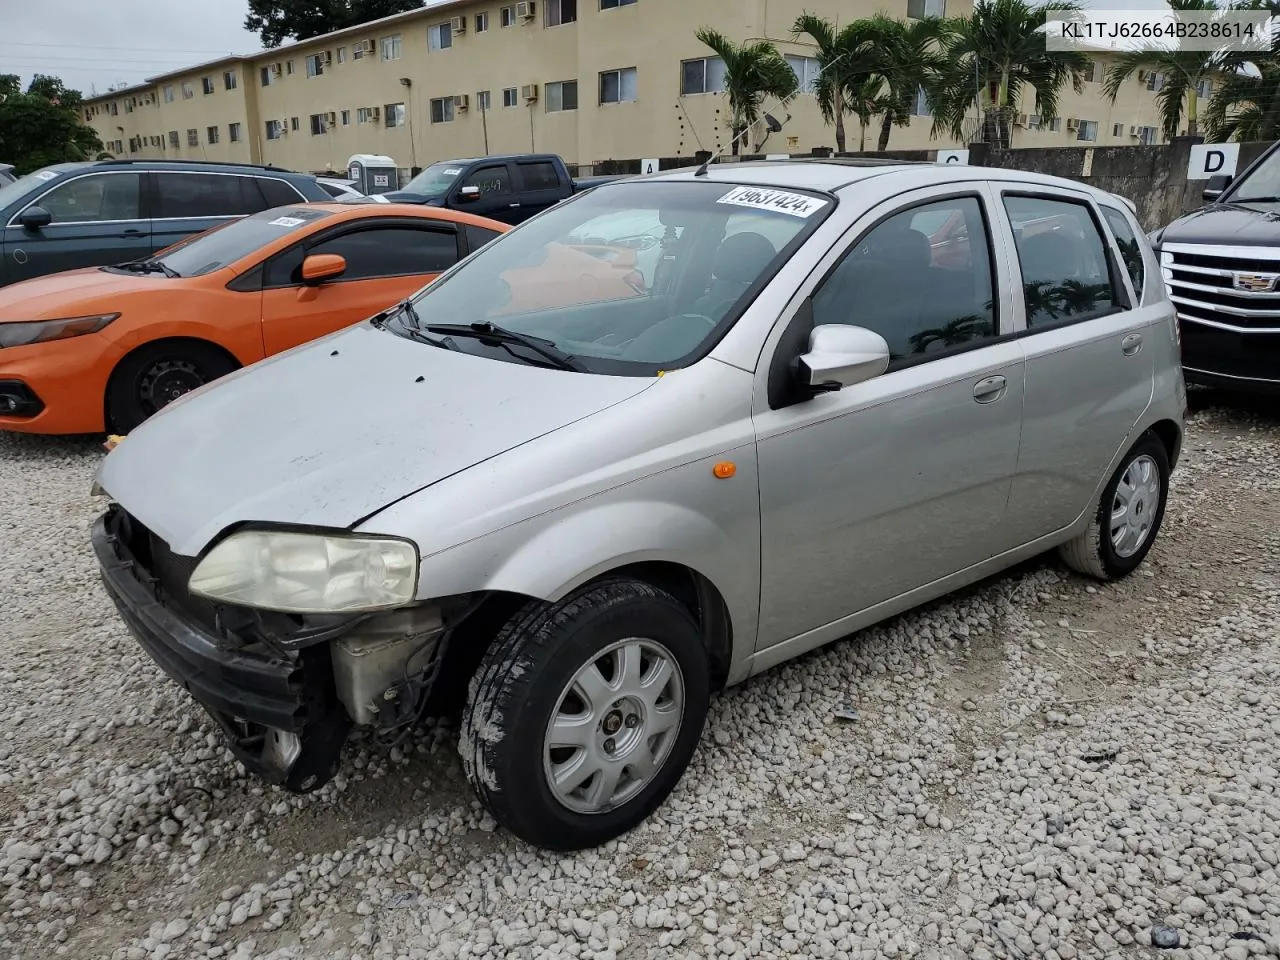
[155,375]
[1093,553]
[518,688]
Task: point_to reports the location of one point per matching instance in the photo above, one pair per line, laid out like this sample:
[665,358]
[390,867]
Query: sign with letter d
[1211,159]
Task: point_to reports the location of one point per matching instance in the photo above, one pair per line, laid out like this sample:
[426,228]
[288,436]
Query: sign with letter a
[648,166]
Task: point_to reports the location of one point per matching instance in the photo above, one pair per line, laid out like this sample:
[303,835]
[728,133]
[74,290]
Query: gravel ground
[1038,768]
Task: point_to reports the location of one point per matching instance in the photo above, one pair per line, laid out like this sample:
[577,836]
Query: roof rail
[124,162]
[861,161]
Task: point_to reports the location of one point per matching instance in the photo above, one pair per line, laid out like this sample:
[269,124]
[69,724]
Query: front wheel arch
[178,343]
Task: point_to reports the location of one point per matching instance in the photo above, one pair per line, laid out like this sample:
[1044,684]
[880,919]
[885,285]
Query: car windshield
[436,180]
[18,189]
[631,278]
[1261,186]
[225,244]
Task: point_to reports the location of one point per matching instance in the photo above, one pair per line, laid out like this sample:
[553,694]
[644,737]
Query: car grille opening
[1203,287]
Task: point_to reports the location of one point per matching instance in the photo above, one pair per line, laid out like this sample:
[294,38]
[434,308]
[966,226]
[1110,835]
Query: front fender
[682,515]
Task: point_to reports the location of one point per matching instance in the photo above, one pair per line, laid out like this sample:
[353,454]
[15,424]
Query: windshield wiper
[496,334]
[412,329]
[1253,200]
[149,266]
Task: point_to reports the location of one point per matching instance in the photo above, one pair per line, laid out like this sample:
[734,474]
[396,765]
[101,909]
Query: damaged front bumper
[286,701]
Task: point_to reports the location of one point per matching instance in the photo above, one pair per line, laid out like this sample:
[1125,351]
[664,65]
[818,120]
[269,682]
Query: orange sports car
[103,348]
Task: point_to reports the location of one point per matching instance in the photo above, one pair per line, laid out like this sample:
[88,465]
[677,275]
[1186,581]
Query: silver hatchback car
[658,439]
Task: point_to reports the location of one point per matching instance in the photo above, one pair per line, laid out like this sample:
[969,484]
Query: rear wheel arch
[1170,435]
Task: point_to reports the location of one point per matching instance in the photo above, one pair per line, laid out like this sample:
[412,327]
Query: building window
[1055,125]
[366,114]
[393,114]
[288,67]
[233,132]
[173,138]
[482,22]
[440,36]
[128,105]
[704,75]
[342,54]
[806,70]
[275,129]
[1155,81]
[319,124]
[441,110]
[1204,88]
[484,102]
[193,137]
[206,83]
[229,80]
[919,9]
[562,95]
[1117,129]
[1147,136]
[187,92]
[211,135]
[391,47]
[561,11]
[1035,122]
[168,94]
[346,118]
[265,74]
[315,65]
[293,124]
[613,4]
[921,106]
[1088,130]
[511,97]
[115,107]
[618,86]
[1093,72]
[506,16]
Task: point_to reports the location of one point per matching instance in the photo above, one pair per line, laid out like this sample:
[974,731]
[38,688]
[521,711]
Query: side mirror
[467,194]
[841,356]
[1217,184]
[319,267]
[33,218]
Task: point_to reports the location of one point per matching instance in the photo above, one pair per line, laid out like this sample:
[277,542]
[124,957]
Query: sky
[96,43]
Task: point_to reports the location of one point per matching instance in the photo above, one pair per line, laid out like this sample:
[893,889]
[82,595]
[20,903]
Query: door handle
[133,233]
[513,205]
[1131,344]
[992,388]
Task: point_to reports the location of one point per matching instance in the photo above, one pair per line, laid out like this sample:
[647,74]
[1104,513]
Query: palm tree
[1002,45]
[841,71]
[907,57]
[1182,72]
[752,71]
[868,100]
[1244,107]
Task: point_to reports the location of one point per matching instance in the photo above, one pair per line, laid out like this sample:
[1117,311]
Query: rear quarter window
[1130,248]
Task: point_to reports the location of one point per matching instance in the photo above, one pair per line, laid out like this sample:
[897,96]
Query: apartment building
[590,80]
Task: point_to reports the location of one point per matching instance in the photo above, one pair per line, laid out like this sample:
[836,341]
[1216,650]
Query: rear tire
[155,375]
[1128,515]
[585,713]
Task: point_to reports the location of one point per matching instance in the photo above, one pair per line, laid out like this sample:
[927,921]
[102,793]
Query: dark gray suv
[74,215]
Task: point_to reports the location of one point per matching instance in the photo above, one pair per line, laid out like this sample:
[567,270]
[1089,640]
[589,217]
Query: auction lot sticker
[781,201]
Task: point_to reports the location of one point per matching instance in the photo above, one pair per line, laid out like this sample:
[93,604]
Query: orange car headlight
[42,331]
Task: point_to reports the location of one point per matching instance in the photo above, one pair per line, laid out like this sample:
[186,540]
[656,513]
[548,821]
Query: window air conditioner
[458,25]
[524,10]
[529,91]
[461,102]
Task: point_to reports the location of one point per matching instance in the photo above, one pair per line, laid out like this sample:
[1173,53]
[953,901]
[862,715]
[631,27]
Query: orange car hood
[73,294]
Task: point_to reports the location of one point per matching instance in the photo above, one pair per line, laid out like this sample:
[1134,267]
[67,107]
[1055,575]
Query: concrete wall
[1153,177]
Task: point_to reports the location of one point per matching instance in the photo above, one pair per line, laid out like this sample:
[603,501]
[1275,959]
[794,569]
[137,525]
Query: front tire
[1128,516]
[585,713]
[153,376]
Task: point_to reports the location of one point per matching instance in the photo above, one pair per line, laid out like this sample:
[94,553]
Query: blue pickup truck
[510,188]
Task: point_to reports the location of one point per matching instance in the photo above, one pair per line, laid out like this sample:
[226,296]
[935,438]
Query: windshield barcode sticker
[452,172]
[783,201]
[286,222]
[45,174]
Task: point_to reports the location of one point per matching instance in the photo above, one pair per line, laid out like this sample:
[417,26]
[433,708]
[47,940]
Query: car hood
[1226,224]
[73,293]
[334,431]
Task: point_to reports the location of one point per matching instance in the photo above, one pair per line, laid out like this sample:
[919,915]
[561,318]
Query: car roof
[831,176]
[195,166]
[356,211]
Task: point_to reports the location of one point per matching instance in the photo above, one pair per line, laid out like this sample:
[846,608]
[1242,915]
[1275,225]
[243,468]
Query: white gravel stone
[1041,765]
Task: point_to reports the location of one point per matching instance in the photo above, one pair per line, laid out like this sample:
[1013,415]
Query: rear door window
[1130,249]
[1066,274]
[539,175]
[277,192]
[189,196]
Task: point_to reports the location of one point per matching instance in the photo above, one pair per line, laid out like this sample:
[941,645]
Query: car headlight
[308,572]
[42,331]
